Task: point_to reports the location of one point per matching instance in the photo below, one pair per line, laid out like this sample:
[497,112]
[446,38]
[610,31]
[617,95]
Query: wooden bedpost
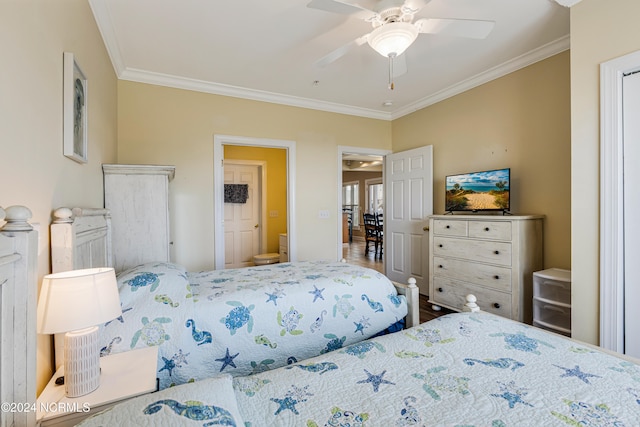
[18,289]
[412,294]
[470,304]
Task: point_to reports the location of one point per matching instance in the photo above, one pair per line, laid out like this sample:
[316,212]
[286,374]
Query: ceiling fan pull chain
[391,56]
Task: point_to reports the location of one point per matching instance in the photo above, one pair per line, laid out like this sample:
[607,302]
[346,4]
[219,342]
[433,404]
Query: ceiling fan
[394,28]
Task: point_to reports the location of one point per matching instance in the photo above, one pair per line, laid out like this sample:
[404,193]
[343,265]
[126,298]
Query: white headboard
[18,289]
[80,238]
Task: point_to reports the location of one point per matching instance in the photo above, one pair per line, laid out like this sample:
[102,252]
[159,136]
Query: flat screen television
[478,191]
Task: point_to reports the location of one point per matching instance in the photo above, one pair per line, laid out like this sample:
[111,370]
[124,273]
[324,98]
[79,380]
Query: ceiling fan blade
[359,9]
[470,28]
[415,5]
[340,52]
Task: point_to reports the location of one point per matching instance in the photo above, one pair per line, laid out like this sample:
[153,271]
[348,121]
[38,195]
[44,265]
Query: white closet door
[631,118]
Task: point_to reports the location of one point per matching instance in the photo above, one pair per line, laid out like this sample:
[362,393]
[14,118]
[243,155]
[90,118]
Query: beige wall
[33,36]
[276,187]
[601,30]
[520,121]
[171,126]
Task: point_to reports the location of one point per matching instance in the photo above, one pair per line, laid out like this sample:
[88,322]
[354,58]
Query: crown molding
[105,26]
[539,54]
[160,79]
[103,19]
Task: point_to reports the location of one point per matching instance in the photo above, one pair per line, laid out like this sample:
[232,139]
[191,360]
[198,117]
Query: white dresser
[138,198]
[490,256]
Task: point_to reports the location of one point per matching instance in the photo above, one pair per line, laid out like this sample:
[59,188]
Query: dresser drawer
[450,228]
[452,293]
[482,274]
[493,230]
[474,250]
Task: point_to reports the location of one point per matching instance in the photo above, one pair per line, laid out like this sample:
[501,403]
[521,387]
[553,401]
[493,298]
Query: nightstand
[123,376]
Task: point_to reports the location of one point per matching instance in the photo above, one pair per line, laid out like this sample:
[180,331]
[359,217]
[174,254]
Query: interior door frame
[218,189]
[342,149]
[262,191]
[612,200]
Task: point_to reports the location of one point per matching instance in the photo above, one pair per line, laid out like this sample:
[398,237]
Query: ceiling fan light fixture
[392,38]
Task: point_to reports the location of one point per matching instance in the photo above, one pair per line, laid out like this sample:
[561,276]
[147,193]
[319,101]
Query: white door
[408,180]
[631,149]
[242,220]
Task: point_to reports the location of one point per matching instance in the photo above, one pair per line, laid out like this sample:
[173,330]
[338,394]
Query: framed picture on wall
[74,110]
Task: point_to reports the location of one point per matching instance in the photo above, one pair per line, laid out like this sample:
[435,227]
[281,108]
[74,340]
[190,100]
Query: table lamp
[75,302]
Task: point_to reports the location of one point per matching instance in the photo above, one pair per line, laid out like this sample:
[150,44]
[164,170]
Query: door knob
[256,226]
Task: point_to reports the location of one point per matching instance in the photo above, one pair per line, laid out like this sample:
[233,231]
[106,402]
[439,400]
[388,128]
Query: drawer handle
[497,252]
[486,229]
[447,226]
[496,305]
[440,290]
[440,245]
[496,277]
[440,266]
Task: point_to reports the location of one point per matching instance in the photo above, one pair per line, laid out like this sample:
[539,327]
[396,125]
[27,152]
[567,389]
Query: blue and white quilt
[459,370]
[248,320]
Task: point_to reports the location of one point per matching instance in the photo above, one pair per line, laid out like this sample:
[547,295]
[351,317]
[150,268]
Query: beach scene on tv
[478,191]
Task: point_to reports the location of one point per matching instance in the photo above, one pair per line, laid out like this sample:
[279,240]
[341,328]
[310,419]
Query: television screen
[478,191]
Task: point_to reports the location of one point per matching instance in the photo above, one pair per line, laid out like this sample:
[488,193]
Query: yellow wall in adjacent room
[276,187]
[520,121]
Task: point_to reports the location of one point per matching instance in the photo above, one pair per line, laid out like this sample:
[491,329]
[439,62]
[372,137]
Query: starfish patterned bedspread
[463,369]
[242,321]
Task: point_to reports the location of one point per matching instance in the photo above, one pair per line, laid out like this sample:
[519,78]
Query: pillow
[167,280]
[202,402]
[154,298]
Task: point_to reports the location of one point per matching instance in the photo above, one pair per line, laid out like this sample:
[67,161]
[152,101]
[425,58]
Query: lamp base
[81,362]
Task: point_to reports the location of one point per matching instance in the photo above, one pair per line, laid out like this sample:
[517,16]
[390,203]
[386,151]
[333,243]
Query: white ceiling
[266,49]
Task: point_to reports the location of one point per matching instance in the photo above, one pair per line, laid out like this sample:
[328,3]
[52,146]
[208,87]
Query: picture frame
[75,117]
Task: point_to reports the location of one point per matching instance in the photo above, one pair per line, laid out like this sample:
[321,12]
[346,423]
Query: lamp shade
[392,38]
[77,299]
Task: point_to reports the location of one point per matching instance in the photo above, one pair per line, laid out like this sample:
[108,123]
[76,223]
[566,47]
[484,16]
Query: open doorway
[276,218]
[361,190]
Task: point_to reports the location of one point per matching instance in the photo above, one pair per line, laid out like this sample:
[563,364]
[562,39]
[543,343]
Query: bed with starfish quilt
[242,321]
[463,369]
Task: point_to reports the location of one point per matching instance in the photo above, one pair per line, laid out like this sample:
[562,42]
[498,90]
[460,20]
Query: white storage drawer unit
[490,256]
[553,284]
[552,300]
[556,317]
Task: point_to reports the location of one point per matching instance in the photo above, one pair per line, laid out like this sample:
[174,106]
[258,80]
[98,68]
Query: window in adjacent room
[350,200]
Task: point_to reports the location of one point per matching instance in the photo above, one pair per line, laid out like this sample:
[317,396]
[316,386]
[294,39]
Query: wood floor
[354,253]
